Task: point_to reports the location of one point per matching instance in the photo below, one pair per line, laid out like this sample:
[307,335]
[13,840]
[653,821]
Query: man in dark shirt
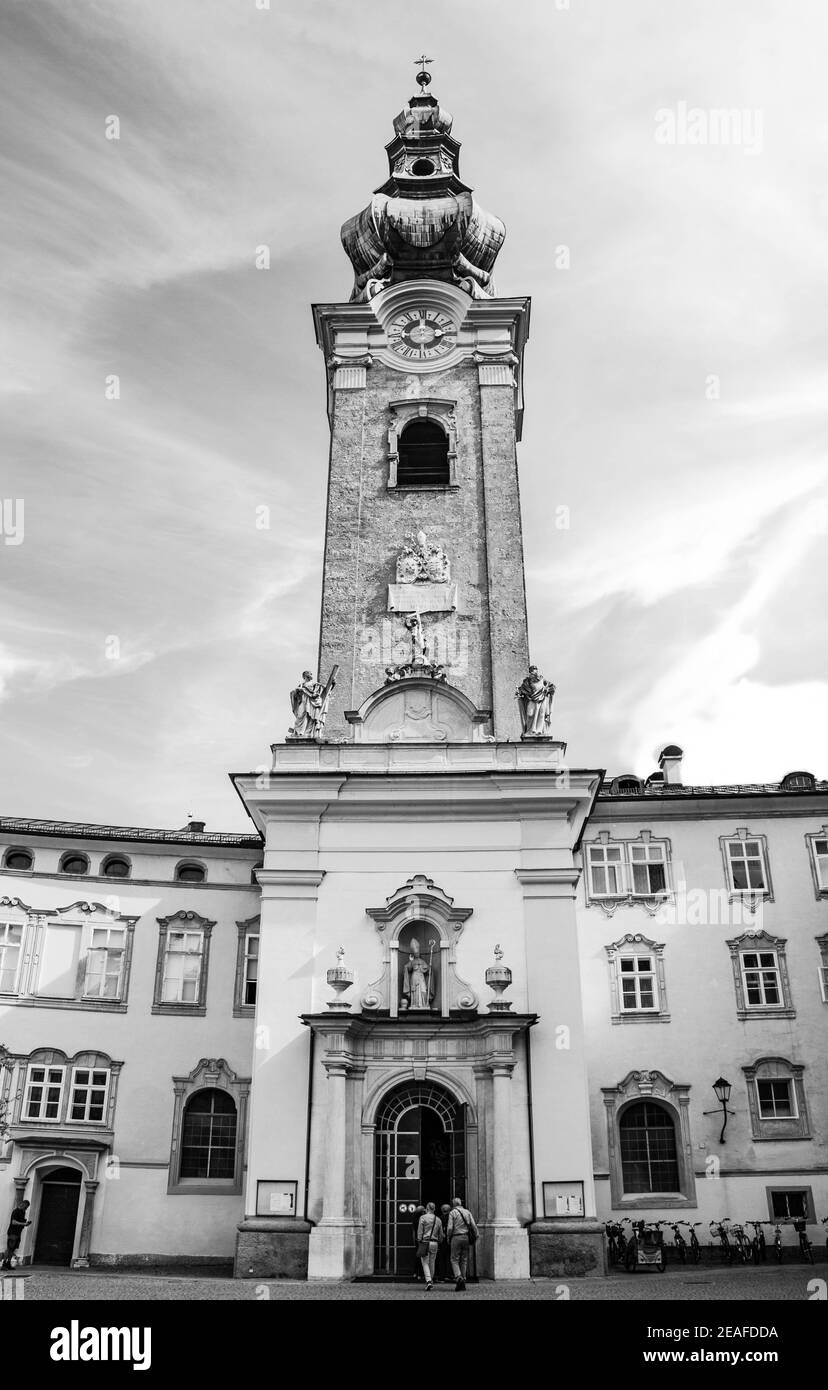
[15,1233]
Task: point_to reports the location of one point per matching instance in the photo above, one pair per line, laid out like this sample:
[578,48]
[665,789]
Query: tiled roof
[83,830]
[663,789]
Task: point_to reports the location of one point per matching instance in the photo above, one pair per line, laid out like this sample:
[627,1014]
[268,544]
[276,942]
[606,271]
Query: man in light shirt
[461,1231]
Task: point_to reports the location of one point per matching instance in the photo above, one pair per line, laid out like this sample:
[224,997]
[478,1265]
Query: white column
[333,1196]
[332,1248]
[510,1242]
[504,1193]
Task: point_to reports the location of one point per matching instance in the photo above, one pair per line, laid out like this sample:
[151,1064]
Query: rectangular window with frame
[649,869]
[181,983]
[639,992]
[785,1205]
[606,870]
[760,972]
[821,863]
[11,949]
[89,1092]
[44,1092]
[59,960]
[823,982]
[103,976]
[776,1100]
[251,968]
[746,866]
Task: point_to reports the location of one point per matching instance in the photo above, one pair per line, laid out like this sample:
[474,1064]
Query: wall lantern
[721,1090]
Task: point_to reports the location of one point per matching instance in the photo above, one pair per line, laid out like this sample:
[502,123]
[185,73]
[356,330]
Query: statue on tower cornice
[309,702]
[534,697]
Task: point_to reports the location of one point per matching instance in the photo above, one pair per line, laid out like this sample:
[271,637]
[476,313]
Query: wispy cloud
[135,258]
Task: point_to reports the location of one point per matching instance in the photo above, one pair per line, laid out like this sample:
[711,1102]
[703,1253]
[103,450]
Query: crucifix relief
[423,586]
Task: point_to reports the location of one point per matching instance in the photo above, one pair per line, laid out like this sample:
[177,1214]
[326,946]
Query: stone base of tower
[332,1250]
[503,1251]
[569,1248]
[272,1247]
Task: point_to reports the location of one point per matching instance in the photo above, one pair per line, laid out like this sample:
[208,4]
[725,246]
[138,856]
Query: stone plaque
[422,598]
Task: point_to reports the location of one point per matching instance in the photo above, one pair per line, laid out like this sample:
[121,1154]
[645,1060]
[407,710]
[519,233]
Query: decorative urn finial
[339,978]
[499,978]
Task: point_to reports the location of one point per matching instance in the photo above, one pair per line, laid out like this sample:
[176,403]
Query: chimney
[669,760]
[195,826]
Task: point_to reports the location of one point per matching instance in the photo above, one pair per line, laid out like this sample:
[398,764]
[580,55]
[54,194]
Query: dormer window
[18,860]
[115,867]
[74,864]
[627,786]
[798,782]
[189,872]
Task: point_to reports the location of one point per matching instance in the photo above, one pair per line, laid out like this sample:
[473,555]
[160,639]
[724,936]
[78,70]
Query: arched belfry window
[423,455]
[422,444]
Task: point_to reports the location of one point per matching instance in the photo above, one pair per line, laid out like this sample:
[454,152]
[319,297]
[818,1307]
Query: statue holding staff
[309,702]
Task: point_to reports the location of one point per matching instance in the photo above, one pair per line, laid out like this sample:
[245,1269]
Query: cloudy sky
[676,395]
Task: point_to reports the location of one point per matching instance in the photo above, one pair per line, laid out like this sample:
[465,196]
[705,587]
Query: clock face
[420,334]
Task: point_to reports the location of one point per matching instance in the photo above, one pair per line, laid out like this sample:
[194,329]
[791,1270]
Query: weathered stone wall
[477,523]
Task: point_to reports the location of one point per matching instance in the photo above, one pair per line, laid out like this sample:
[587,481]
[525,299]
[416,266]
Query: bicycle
[695,1248]
[616,1242]
[777,1242]
[757,1245]
[679,1245]
[805,1248]
[742,1244]
[825,1223]
[718,1229]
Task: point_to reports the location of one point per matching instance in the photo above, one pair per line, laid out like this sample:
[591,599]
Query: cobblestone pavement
[699,1284]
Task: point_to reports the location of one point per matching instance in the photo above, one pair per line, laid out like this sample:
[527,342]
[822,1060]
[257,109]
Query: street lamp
[721,1090]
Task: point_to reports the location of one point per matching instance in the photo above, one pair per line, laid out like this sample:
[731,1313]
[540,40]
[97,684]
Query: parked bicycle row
[644,1246]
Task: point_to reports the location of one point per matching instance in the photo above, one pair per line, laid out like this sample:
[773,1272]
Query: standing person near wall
[15,1233]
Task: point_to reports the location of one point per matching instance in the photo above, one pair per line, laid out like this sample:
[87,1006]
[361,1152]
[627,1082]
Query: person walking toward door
[462,1232]
[443,1265]
[429,1235]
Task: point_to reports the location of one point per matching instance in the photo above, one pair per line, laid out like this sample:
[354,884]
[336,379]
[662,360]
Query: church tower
[425,407]
[418,1020]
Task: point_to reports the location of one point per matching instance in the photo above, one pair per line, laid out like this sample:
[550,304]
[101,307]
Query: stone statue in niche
[309,702]
[534,696]
[418,978]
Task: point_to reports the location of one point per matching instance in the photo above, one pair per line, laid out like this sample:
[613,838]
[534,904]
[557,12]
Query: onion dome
[423,221]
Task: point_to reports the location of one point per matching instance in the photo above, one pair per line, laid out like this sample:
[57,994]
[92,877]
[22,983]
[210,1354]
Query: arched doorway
[58,1215]
[419,1157]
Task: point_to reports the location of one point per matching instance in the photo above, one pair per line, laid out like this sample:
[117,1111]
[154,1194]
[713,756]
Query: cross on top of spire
[423,76]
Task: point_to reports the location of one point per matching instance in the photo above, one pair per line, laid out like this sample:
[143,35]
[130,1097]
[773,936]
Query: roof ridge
[93,830]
